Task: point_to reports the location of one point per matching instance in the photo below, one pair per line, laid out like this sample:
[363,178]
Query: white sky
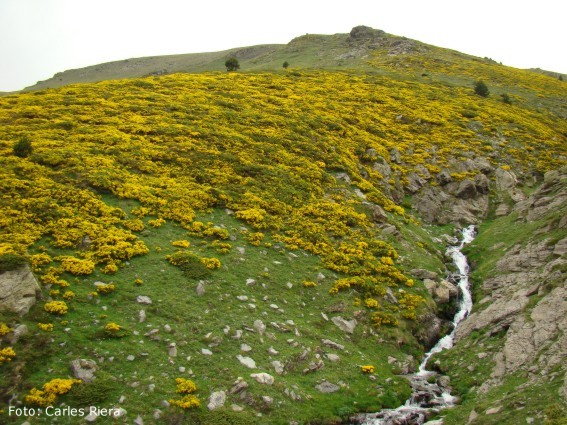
[41,37]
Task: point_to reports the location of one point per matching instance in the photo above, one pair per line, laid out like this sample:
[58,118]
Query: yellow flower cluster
[211,263]
[138,282]
[47,327]
[181,244]
[7,354]
[255,238]
[367,369]
[108,288]
[56,307]
[76,266]
[222,247]
[309,284]
[51,390]
[5,329]
[188,401]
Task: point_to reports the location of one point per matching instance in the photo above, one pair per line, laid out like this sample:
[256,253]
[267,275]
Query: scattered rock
[141,316]
[200,289]
[172,350]
[138,420]
[494,410]
[259,326]
[424,274]
[236,408]
[332,344]
[272,351]
[245,347]
[344,325]
[466,190]
[267,400]
[263,378]
[130,358]
[206,352]
[239,386]
[278,367]
[247,361]
[333,357]
[327,387]
[216,400]
[18,332]
[84,369]
[242,298]
[250,282]
[142,299]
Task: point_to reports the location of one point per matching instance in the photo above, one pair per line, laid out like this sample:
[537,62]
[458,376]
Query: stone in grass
[272,351]
[143,299]
[333,357]
[267,399]
[263,378]
[172,350]
[83,369]
[344,325]
[278,367]
[259,326]
[239,386]
[236,408]
[142,316]
[332,344]
[250,282]
[200,289]
[326,387]
[216,400]
[245,347]
[206,352]
[138,421]
[247,361]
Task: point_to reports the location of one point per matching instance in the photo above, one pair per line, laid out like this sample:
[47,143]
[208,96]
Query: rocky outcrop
[526,298]
[18,290]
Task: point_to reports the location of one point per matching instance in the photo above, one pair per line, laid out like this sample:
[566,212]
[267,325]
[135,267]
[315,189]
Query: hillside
[266,235]
[364,49]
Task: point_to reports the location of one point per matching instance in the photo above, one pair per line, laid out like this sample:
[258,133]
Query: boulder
[444,177]
[344,325]
[247,361]
[18,290]
[84,369]
[263,378]
[216,400]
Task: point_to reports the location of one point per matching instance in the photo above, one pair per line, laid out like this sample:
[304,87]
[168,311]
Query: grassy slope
[248,142]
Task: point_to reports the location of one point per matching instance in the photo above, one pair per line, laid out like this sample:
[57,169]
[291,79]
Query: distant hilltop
[355,50]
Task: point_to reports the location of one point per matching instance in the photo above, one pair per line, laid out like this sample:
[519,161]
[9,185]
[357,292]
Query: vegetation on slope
[149,185]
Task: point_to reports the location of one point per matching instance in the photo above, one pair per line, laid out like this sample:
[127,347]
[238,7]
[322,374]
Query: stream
[429,392]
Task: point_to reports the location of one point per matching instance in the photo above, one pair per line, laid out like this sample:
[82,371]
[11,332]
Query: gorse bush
[191,264]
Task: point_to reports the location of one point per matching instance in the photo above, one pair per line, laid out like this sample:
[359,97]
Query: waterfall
[427,397]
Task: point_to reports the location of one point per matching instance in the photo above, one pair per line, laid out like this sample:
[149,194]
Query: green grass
[199,322]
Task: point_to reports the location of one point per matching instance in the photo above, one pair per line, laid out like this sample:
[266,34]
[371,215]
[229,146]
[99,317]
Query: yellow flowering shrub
[108,288]
[7,354]
[185,386]
[371,303]
[56,307]
[158,222]
[222,247]
[68,295]
[211,263]
[47,327]
[181,244]
[255,238]
[138,282]
[5,329]
[76,266]
[309,284]
[368,369]
[51,390]
[189,400]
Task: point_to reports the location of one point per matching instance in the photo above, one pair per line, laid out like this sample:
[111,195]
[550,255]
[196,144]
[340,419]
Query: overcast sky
[39,38]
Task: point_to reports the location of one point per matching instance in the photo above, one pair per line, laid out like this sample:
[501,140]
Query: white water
[417,407]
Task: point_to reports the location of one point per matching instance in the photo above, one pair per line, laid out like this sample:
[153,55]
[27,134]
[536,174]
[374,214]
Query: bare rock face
[18,290]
